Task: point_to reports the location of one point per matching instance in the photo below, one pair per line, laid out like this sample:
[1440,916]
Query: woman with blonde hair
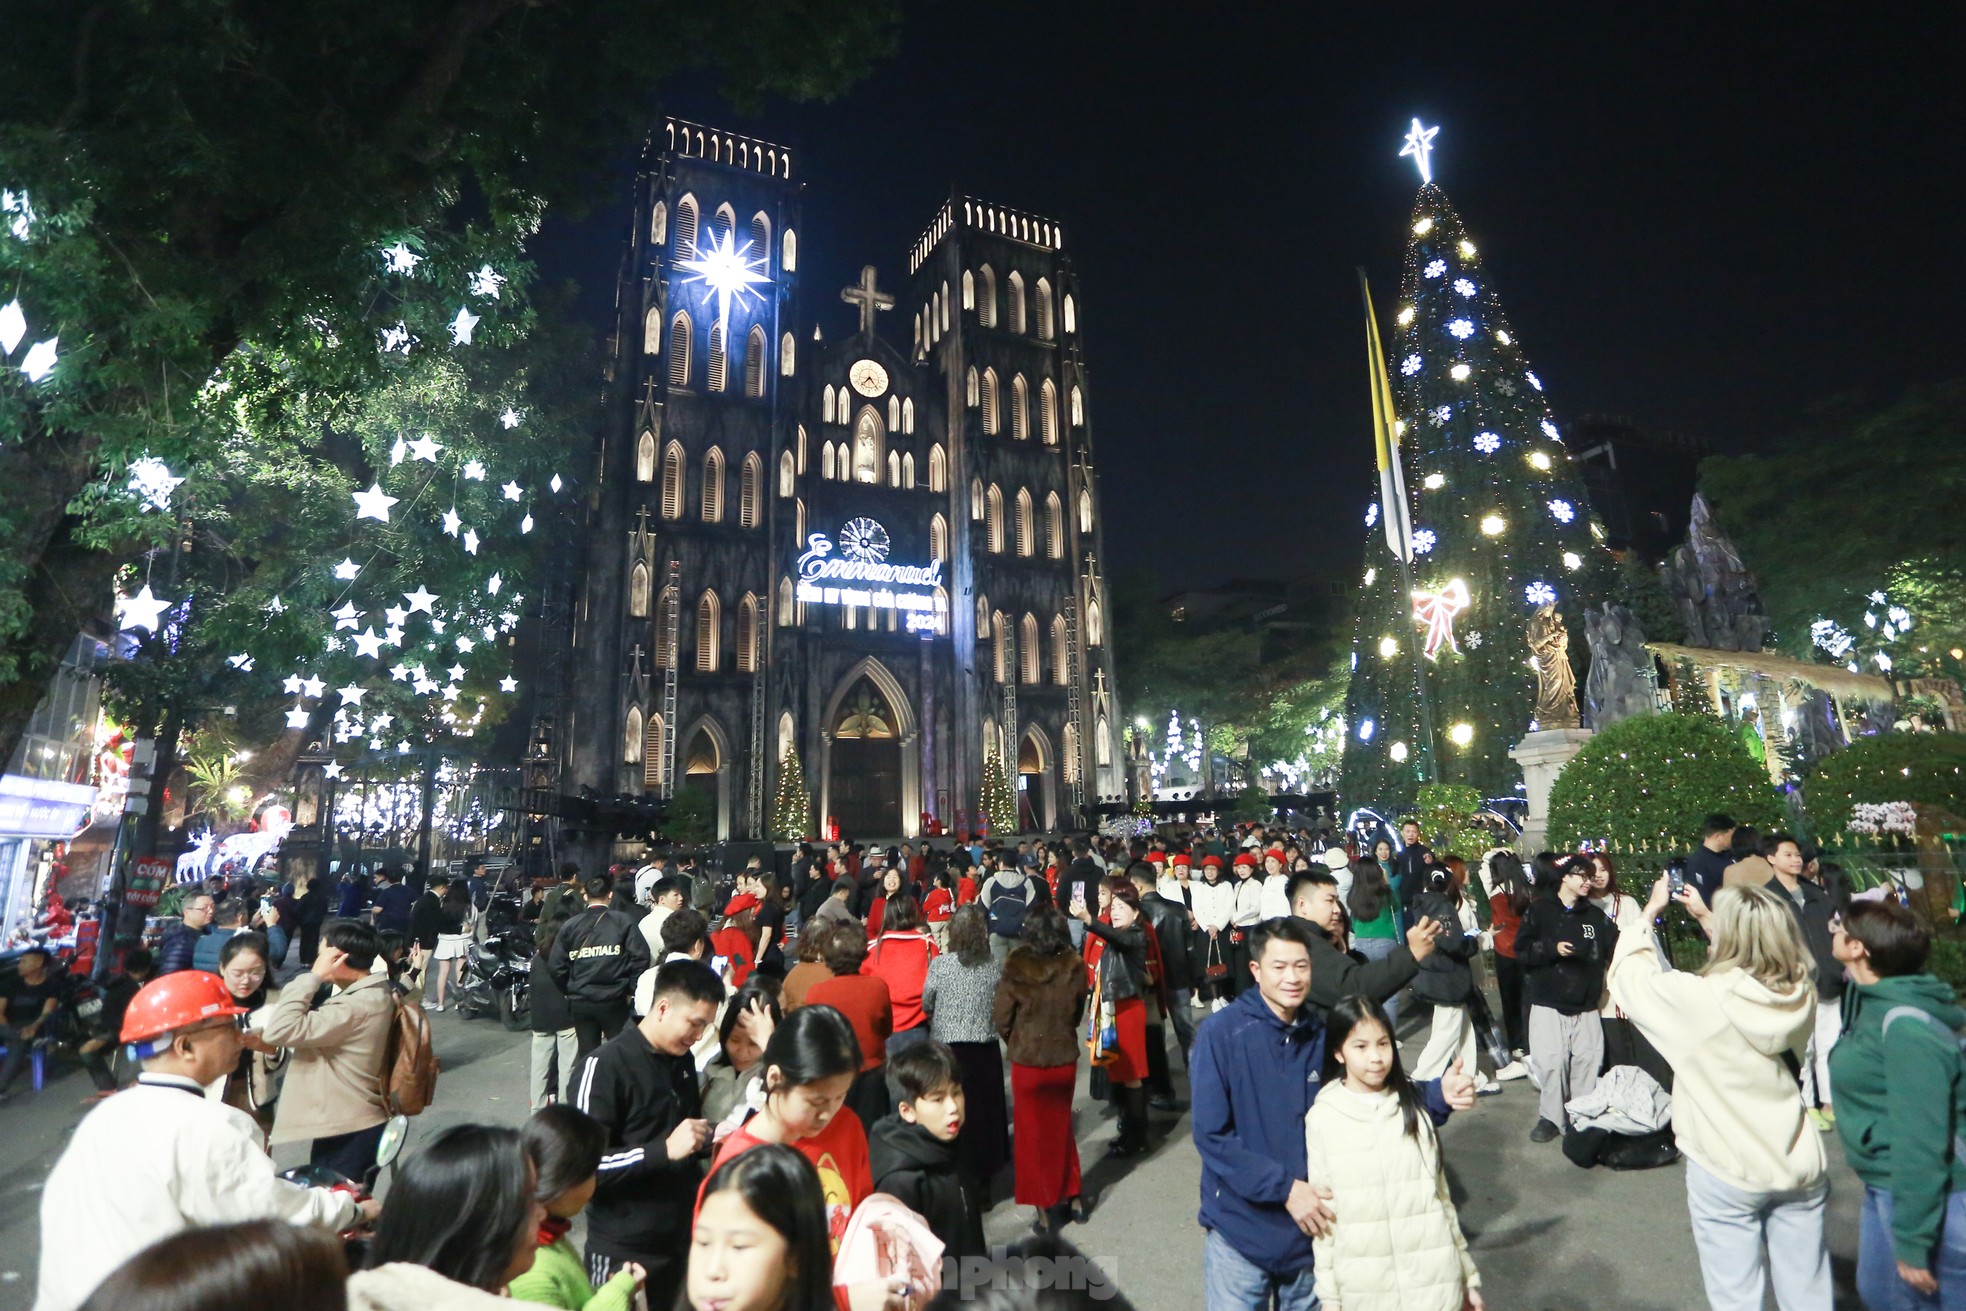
[1756,1185]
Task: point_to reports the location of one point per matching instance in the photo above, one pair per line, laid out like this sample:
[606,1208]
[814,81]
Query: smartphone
[721,964]
[1676,878]
[1078,899]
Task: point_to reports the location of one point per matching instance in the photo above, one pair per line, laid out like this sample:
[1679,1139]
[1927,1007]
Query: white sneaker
[429,1005]
[1487,1088]
[1217,1005]
[1199,1003]
[1513,1070]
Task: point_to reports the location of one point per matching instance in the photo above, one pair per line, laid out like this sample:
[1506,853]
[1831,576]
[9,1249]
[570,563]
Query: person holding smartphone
[1563,946]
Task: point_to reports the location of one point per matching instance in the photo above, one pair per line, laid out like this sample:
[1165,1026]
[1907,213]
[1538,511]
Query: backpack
[1006,909]
[410,1066]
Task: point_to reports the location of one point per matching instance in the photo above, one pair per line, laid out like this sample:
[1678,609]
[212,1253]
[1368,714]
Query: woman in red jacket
[891,885]
[939,905]
[900,958]
[737,940]
[1116,953]
[1508,898]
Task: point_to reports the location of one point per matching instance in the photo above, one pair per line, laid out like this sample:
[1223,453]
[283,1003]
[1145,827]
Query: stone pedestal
[1542,757]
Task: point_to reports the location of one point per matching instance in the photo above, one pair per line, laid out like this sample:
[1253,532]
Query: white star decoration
[276,606]
[313,687]
[471,540]
[475,471]
[352,695]
[140,611]
[510,418]
[13,326]
[462,327]
[727,269]
[466,645]
[397,451]
[39,361]
[292,685]
[395,615]
[397,339]
[426,448]
[512,491]
[493,583]
[401,673]
[399,258]
[1419,144]
[457,673]
[451,522]
[152,481]
[508,684]
[346,617]
[368,644]
[347,569]
[297,718]
[420,600]
[486,282]
[333,769]
[373,504]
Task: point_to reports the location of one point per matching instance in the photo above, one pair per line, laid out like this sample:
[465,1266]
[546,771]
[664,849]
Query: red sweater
[902,960]
[965,890]
[838,1153]
[938,906]
[863,999]
[736,944]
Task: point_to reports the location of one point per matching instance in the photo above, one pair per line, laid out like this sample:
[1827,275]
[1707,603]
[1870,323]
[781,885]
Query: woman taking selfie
[1756,1185]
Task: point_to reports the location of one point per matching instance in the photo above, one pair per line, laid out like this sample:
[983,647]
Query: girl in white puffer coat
[1396,1244]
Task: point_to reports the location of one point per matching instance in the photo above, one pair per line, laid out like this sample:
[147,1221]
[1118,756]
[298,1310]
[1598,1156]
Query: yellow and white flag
[1385,437]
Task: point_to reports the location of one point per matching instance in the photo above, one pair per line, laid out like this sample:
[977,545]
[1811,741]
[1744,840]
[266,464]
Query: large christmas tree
[1500,527]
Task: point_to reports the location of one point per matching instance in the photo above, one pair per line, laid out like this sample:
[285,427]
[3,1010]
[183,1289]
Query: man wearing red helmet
[160,1158]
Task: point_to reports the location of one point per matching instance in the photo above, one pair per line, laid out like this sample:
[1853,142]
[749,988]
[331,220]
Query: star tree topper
[728,270]
[1436,610]
[1419,144]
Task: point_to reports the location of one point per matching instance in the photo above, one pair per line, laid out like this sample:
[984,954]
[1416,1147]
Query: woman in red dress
[1040,1000]
[1116,949]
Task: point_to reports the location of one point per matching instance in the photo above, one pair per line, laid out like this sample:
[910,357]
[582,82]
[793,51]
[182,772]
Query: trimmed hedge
[1924,767]
[1646,783]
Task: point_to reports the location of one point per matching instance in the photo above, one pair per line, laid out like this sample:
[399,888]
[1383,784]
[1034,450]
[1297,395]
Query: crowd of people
[768,1093]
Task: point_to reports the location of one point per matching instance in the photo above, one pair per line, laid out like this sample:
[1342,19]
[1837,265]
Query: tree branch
[468,20]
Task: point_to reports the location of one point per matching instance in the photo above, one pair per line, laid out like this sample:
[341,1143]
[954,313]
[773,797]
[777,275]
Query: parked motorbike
[496,978]
[355,1242]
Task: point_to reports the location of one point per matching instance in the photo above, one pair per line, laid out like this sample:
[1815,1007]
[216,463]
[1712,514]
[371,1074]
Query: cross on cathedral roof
[864,295]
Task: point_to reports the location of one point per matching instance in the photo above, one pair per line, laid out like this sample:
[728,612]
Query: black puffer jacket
[1568,985]
[926,1174]
[1170,924]
[1445,977]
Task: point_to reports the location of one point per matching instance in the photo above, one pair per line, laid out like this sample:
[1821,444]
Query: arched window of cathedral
[1061,669]
[1026,531]
[894,468]
[969,290]
[1044,308]
[754,362]
[709,656]
[645,457]
[850,618]
[1071,314]
[1085,511]
[725,222]
[787,736]
[1078,407]
[920,347]
[1016,301]
[826,404]
[760,240]
[938,538]
[638,590]
[908,415]
[652,754]
[631,737]
[799,528]
[942,306]
[785,601]
[1048,413]
[986,297]
[672,481]
[993,516]
[686,226]
[713,486]
[1095,627]
[665,625]
[869,446]
[679,341]
[908,470]
[1028,652]
[787,474]
[1000,648]
[935,317]
[938,469]
[942,611]
[990,401]
[802,448]
[1054,527]
[718,363]
[787,355]
[972,390]
[982,618]
[658,225]
[789,259]
[652,330]
[1102,743]
[894,414]
[1068,754]
[975,498]
[826,461]
[1020,409]
[750,482]
[747,635]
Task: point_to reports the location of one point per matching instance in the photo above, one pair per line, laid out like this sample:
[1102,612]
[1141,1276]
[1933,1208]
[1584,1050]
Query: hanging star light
[243,662]
[313,687]
[39,361]
[152,482]
[486,282]
[426,448]
[508,684]
[143,610]
[399,258]
[457,673]
[291,685]
[727,269]
[451,521]
[393,635]
[297,717]
[13,326]
[397,339]
[346,617]
[397,451]
[276,606]
[401,673]
[510,418]
[368,643]
[352,694]
[471,541]
[493,583]
[475,470]
[1419,144]
[462,327]
[512,491]
[1436,610]
[373,504]
[347,570]
[421,599]
[395,615]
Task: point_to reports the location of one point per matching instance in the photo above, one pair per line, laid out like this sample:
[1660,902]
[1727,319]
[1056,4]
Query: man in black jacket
[1564,945]
[1709,861]
[1313,897]
[597,956]
[1080,879]
[1814,909]
[1169,921]
[1412,865]
[642,1086]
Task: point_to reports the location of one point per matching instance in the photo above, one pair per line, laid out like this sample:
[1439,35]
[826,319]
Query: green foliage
[1636,585]
[215,768]
[1867,503]
[999,804]
[1446,813]
[1923,767]
[1646,783]
[692,819]
[791,808]
[1253,806]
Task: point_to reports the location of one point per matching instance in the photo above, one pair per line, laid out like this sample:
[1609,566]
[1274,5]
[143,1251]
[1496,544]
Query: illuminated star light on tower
[1419,144]
[728,270]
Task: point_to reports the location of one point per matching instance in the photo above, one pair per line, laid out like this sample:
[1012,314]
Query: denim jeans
[1746,1240]
[1231,1283]
[1877,1265]
[1378,949]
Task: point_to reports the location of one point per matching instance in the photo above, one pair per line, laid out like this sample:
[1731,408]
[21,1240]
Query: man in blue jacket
[1254,1072]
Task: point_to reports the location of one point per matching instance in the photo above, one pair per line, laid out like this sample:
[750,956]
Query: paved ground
[1547,1236]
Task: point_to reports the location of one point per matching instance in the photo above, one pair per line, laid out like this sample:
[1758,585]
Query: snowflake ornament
[1487,443]
[1562,511]
[1435,269]
[1423,541]
[1441,415]
[1461,329]
[1539,594]
[1464,287]
[1410,365]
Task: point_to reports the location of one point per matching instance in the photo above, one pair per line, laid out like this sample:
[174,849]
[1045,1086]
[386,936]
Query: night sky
[1708,223]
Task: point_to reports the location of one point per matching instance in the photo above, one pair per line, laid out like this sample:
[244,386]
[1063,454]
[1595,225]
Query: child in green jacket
[1901,1108]
[566,1146]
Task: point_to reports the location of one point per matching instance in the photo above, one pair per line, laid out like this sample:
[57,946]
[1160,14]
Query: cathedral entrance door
[1035,802]
[865,787]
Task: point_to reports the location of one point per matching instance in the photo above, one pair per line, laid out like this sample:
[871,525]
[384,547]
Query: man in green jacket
[1901,1107]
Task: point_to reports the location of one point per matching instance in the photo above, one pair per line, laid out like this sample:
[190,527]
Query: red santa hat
[1211,862]
[1245,858]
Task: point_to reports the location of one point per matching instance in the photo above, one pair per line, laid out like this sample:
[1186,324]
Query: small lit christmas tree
[1500,526]
[999,805]
[791,810]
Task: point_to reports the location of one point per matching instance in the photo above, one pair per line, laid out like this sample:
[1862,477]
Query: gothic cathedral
[884,560]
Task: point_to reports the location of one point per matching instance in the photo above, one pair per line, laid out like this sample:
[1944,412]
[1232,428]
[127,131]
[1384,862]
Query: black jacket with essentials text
[642,1200]
[926,1174]
[597,957]
[1573,984]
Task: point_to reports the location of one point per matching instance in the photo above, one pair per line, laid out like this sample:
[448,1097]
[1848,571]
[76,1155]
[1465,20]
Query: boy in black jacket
[913,1155]
[1563,947]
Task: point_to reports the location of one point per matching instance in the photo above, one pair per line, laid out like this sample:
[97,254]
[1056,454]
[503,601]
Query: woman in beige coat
[1396,1244]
